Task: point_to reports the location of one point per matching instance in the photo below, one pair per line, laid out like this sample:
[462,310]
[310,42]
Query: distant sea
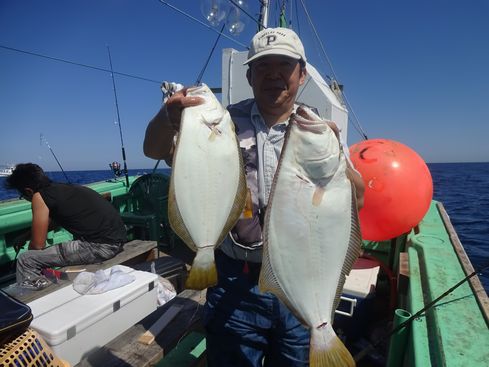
[463,188]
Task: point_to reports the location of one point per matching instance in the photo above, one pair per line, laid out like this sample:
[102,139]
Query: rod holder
[399,339]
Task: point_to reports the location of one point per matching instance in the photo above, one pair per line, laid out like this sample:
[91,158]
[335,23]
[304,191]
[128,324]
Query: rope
[356,121]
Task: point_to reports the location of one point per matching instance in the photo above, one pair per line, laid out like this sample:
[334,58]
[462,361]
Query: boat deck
[179,320]
[454,332]
[127,350]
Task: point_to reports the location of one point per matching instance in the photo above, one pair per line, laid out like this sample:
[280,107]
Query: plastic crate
[29,350]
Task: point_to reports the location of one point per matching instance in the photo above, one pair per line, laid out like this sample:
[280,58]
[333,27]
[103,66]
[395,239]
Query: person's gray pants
[31,262]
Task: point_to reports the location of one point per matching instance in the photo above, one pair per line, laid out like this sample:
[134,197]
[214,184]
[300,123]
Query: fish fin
[175,218]
[353,251]
[331,353]
[317,197]
[214,130]
[239,200]
[267,281]
[212,135]
[203,273]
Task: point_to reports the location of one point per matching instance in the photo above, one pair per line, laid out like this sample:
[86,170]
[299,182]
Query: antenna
[118,120]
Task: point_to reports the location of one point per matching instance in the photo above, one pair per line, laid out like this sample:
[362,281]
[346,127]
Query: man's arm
[40,223]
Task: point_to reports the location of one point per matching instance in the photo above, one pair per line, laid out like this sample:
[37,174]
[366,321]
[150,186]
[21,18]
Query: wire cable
[356,121]
[78,64]
[201,23]
[201,74]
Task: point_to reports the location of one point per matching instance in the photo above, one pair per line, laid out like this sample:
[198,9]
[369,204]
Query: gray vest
[245,240]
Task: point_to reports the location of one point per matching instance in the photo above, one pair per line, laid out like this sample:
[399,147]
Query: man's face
[275,81]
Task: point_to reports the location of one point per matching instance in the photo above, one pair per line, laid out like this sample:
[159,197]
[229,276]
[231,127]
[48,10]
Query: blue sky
[414,71]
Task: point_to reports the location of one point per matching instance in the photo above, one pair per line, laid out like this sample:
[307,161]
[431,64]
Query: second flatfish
[207,187]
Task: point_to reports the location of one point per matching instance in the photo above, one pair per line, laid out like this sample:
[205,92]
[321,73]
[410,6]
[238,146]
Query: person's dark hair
[27,175]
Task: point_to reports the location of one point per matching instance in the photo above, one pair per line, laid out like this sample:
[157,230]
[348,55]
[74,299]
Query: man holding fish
[245,326]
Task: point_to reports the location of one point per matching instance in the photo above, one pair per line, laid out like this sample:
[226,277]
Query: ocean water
[463,188]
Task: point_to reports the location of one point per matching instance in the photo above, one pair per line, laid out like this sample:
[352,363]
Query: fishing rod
[118,119]
[41,140]
[201,74]
[404,324]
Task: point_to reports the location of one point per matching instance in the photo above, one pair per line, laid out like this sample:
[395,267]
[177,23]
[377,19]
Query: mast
[263,20]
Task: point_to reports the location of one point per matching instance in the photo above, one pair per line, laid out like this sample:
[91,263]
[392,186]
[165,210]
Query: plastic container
[75,325]
[353,310]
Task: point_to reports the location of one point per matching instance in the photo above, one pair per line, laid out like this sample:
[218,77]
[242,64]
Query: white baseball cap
[276,41]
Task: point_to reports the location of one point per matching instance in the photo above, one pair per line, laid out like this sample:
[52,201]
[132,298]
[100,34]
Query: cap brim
[278,52]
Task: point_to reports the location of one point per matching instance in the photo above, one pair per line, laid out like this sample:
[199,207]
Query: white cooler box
[74,324]
[359,285]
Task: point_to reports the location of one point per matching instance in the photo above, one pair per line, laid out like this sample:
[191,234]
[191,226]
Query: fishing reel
[116,168]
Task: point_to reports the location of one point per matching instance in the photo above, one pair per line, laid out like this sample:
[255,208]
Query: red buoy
[398,188]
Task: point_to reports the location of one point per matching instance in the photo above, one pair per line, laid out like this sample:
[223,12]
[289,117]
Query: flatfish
[207,187]
[311,232]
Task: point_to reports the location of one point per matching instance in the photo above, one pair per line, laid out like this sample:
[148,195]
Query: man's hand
[351,173]
[357,181]
[158,140]
[176,103]
[19,246]
[21,240]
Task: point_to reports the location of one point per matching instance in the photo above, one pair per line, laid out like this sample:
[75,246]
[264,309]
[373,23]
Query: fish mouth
[197,90]
[302,112]
[316,159]
[191,89]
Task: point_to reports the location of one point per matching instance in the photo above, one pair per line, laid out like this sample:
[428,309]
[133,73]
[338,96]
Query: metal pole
[263,15]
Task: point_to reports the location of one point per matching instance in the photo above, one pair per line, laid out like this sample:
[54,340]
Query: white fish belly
[206,177]
[307,243]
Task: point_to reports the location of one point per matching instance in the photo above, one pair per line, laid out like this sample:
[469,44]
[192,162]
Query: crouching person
[98,231]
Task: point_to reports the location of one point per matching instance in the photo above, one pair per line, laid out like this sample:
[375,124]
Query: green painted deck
[455,331]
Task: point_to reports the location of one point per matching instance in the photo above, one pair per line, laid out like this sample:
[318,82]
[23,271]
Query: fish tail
[328,350]
[203,273]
